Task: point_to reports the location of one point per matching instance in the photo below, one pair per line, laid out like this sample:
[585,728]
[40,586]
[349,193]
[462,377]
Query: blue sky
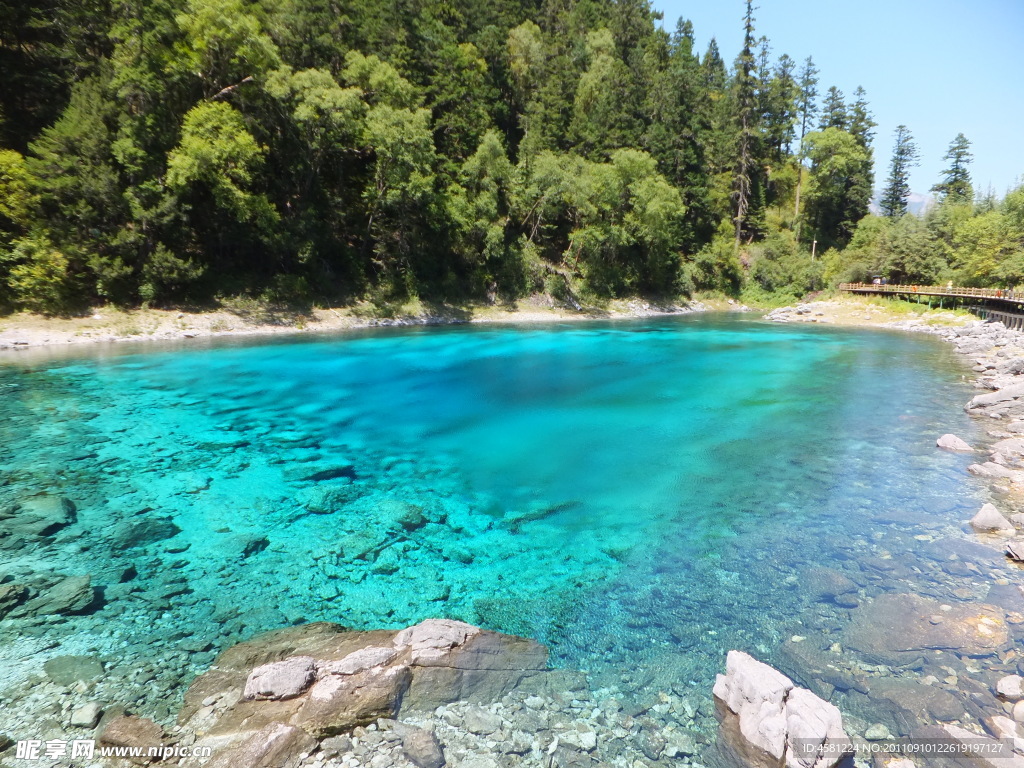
[940,67]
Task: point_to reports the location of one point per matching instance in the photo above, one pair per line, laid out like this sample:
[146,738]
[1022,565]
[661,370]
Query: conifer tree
[897,187]
[956,186]
[833,111]
[746,101]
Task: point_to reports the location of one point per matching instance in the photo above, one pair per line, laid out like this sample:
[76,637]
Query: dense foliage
[327,150]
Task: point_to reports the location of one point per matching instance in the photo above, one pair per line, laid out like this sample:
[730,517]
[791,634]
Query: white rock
[1018,711]
[358,661]
[989,520]
[756,693]
[1015,549]
[1009,688]
[87,715]
[953,443]
[282,679]
[789,724]
[432,639]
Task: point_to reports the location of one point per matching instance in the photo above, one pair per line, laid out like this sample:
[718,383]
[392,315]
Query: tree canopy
[305,150]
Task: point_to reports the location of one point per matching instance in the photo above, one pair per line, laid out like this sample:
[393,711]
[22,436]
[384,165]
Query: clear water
[641,496]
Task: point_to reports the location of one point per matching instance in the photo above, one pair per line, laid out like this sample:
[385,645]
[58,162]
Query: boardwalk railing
[997,294]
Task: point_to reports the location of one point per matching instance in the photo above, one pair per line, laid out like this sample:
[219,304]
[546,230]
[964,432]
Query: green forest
[175,152]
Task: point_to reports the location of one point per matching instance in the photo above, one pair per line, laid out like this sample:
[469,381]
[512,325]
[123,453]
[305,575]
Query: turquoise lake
[641,496]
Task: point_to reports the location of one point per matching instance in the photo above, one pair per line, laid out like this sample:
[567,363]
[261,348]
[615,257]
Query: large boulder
[325,681]
[989,520]
[898,628]
[338,703]
[768,722]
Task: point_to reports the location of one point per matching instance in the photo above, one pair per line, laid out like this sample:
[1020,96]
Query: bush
[40,278]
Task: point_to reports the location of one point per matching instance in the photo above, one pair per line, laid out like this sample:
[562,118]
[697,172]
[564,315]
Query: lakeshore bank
[109,325]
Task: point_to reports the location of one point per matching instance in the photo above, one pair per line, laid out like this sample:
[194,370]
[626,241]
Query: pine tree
[862,123]
[897,187]
[956,186]
[746,99]
[833,112]
[807,107]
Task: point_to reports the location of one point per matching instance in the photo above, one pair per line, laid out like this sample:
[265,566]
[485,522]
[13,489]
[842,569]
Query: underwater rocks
[37,516]
[768,721]
[828,585]
[953,443]
[897,628]
[72,594]
[68,670]
[134,534]
[11,596]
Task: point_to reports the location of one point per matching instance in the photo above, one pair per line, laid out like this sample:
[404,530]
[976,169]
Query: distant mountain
[917,204]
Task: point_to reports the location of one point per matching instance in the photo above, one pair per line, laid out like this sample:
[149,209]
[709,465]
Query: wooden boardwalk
[1006,297]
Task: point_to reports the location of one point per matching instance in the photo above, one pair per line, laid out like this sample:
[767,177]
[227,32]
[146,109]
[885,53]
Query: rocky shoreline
[996,357]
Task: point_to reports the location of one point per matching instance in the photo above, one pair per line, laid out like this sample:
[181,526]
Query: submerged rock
[72,594]
[68,670]
[1009,688]
[38,516]
[87,715]
[11,596]
[1015,550]
[897,628]
[953,443]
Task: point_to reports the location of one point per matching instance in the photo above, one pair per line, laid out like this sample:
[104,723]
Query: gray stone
[1015,549]
[478,720]
[87,715]
[768,721]
[281,680]
[1009,688]
[432,639]
[422,747]
[953,443]
[68,670]
[989,520]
